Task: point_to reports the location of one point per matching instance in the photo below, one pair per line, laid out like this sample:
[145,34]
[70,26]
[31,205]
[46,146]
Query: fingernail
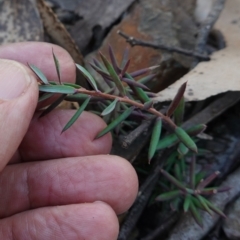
[14,80]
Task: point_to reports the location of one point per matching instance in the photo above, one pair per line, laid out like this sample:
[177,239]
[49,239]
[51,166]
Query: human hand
[52,185]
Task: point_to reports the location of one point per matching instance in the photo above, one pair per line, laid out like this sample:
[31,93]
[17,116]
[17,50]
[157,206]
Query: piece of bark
[221,73]
[161,22]
[19,21]
[60,36]
[96,15]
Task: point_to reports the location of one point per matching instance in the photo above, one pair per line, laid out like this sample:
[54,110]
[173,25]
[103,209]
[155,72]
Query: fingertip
[127,185]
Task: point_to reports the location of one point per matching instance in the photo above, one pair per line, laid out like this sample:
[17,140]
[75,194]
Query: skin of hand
[53,185]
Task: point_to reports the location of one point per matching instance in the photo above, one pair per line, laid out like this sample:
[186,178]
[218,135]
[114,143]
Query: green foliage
[127,97]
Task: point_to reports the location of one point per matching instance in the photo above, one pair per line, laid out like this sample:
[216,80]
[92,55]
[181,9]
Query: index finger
[40,55]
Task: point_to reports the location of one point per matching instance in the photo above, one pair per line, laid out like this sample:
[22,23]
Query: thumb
[18,100]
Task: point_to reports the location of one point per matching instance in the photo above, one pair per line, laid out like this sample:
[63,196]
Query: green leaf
[182,149]
[215,209]
[156,132]
[113,59]
[134,83]
[205,206]
[177,172]
[187,202]
[199,177]
[185,139]
[168,196]
[179,113]
[173,180]
[53,105]
[148,105]
[192,172]
[114,75]
[110,107]
[115,122]
[77,114]
[143,97]
[57,66]
[88,76]
[196,214]
[45,96]
[125,57]
[57,89]
[79,97]
[195,130]
[208,180]
[167,141]
[39,73]
[176,101]
[147,79]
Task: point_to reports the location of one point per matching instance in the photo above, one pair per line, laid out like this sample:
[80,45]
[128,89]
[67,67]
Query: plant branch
[137,42]
[127,101]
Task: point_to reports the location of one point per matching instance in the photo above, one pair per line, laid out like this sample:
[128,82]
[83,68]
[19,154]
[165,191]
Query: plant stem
[128,101]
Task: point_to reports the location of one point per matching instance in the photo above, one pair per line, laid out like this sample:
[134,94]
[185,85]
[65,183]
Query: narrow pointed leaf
[77,114]
[185,139]
[134,83]
[147,79]
[125,67]
[113,60]
[192,172]
[57,66]
[156,132]
[208,180]
[196,214]
[57,89]
[208,191]
[173,180]
[182,149]
[179,113]
[125,57]
[168,196]
[215,209]
[143,97]
[100,71]
[110,107]
[114,75]
[167,141]
[79,97]
[39,73]
[88,76]
[177,172]
[187,202]
[115,122]
[142,71]
[53,105]
[195,130]
[147,105]
[74,85]
[199,177]
[175,102]
[205,206]
[45,96]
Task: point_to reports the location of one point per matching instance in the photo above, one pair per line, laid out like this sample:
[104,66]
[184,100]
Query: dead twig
[163,227]
[137,42]
[139,205]
[214,109]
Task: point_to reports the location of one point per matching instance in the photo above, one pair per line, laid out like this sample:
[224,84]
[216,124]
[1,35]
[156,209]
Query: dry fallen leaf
[221,73]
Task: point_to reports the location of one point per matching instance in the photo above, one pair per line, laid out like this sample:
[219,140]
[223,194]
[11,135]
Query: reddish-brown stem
[127,101]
